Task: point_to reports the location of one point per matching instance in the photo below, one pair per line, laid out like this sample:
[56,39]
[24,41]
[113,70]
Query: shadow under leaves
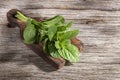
[38,62]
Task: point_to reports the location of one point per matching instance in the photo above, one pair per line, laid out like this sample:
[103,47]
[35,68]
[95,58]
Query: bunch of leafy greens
[55,33]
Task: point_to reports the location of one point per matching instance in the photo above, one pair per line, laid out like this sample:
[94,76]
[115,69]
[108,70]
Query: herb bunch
[55,34]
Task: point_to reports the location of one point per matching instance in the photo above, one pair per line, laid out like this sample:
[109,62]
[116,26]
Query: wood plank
[78,16]
[108,5]
[98,22]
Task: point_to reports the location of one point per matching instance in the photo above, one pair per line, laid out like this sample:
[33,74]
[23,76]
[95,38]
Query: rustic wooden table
[99,25]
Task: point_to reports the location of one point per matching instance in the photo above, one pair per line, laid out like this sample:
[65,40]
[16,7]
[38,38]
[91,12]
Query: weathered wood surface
[99,25]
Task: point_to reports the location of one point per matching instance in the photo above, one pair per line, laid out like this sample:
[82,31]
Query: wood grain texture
[99,25]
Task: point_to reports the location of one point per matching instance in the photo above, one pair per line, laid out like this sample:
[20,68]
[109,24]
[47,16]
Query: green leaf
[56,20]
[55,54]
[57,44]
[70,53]
[73,49]
[63,27]
[66,42]
[67,34]
[43,34]
[29,33]
[68,25]
[51,32]
[53,51]
[29,42]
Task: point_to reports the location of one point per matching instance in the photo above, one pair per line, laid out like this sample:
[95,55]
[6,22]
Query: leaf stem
[20,16]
